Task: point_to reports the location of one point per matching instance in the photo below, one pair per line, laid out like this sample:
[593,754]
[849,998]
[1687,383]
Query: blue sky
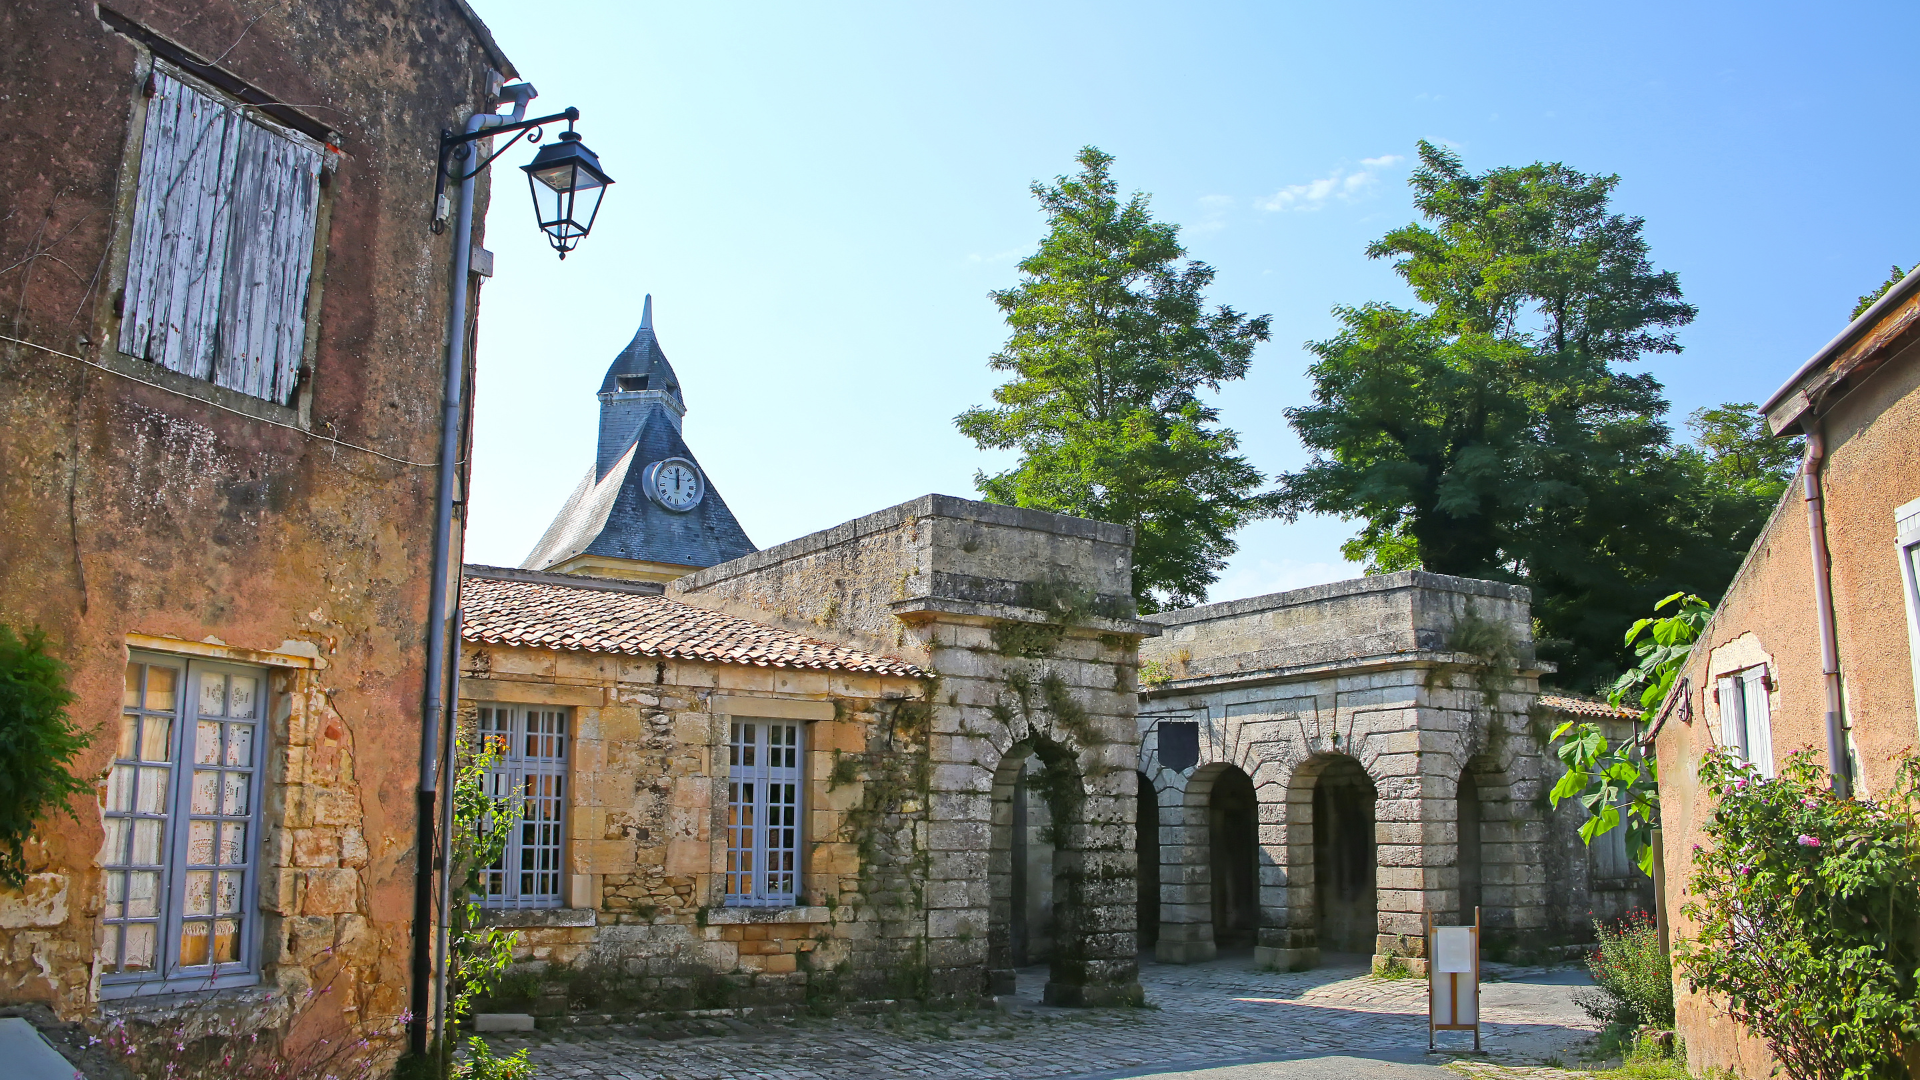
[819,199]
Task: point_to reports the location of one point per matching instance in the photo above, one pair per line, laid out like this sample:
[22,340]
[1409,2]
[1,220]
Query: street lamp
[568,184]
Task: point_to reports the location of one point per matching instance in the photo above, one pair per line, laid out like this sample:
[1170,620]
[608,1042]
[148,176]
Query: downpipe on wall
[442,582]
[1839,761]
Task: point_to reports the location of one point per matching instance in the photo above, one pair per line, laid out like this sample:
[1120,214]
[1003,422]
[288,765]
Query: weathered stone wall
[1024,618]
[142,508]
[646,839]
[1416,678]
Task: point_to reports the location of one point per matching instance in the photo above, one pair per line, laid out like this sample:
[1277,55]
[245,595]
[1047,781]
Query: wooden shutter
[1759,720]
[1733,715]
[222,243]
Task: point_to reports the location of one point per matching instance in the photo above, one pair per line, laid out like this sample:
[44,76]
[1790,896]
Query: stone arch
[1146,832]
[1332,861]
[1036,800]
[1233,841]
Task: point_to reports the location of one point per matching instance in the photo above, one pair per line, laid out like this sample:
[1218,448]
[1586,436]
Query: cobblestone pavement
[1223,1020]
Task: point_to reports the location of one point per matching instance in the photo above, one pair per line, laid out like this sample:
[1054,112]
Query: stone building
[220,386]
[1816,644]
[947,688]
[1324,767]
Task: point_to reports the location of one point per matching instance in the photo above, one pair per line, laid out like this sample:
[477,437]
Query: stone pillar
[1186,897]
[1279,945]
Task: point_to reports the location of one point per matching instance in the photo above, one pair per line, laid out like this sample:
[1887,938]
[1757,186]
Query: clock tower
[645,511]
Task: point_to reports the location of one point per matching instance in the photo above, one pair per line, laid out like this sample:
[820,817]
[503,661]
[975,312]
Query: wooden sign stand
[1453,979]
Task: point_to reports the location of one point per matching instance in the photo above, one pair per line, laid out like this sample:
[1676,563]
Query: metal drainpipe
[448,766]
[440,583]
[1839,764]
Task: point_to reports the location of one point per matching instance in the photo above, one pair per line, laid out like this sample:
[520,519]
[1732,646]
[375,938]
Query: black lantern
[567,184]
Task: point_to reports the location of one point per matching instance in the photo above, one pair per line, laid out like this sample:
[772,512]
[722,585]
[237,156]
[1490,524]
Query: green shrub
[1633,979]
[481,1064]
[1808,909]
[37,743]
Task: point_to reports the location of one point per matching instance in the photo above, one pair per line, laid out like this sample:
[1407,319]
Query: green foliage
[1662,649]
[481,827]
[37,744]
[1111,346]
[1808,916]
[1632,977]
[1492,435]
[1893,278]
[481,1064]
[1618,785]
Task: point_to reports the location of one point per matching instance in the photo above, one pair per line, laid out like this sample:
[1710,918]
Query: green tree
[1112,343]
[1893,278]
[37,744]
[1493,433]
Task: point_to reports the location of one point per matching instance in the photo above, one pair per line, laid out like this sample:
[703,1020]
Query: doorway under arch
[1146,825]
[1024,922]
[1233,840]
[1469,864]
[1344,857]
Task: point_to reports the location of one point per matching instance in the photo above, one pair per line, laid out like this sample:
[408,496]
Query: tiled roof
[1586,707]
[543,611]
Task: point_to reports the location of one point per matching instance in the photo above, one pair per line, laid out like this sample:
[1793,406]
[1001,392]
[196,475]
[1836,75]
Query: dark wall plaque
[1179,744]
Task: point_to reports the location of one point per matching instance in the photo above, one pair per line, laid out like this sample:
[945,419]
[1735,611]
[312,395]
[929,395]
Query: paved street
[1219,1021]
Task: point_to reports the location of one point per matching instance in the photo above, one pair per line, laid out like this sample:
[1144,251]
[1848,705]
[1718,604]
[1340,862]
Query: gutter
[1783,413]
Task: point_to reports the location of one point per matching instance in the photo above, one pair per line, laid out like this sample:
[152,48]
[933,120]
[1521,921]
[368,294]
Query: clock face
[675,484]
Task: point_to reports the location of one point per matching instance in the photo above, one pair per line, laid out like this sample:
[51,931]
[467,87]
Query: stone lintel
[734,916]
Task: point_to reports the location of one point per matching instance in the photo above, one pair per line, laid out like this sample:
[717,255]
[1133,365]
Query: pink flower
[1810,803]
[1740,784]
[1809,841]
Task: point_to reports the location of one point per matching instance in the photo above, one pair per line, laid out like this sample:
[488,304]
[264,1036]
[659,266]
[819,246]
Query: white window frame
[766,811]
[1746,716]
[529,771]
[224,241]
[208,870]
[1906,523]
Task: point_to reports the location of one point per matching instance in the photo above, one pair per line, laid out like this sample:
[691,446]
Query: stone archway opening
[1033,808]
[1470,862]
[1233,840]
[1146,824]
[1344,858]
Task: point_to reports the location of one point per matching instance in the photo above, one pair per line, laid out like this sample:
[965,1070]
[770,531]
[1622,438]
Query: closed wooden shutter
[222,243]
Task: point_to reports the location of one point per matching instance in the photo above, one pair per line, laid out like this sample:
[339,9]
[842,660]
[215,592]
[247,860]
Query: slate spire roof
[609,514]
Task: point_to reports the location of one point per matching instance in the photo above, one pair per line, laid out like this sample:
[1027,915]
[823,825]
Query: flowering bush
[1808,908]
[1633,979]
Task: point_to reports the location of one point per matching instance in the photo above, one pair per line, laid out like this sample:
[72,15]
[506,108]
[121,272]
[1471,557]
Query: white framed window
[1906,523]
[182,828]
[764,785]
[530,771]
[1746,718]
[223,241]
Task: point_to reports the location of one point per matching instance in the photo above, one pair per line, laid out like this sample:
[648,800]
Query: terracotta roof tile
[547,614]
[1573,706]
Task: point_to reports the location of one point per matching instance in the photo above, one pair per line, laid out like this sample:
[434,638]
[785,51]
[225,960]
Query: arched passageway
[1467,822]
[1024,922]
[1343,846]
[1147,848]
[1233,830]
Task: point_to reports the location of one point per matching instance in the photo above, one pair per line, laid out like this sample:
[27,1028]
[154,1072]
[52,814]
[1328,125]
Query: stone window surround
[291,658]
[1742,654]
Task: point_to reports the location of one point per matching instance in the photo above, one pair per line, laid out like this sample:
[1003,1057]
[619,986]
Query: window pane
[143,894]
[193,944]
[226,941]
[146,842]
[206,792]
[206,743]
[235,801]
[120,789]
[129,738]
[152,795]
[113,845]
[199,899]
[116,896]
[160,688]
[213,695]
[227,899]
[156,738]
[140,942]
[200,843]
[233,844]
[130,698]
[240,745]
[241,696]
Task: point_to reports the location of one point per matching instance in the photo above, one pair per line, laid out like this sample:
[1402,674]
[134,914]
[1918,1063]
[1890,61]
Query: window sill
[534,918]
[730,916]
[176,990]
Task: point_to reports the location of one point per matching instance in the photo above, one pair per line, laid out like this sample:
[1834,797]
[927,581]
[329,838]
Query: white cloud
[1340,185]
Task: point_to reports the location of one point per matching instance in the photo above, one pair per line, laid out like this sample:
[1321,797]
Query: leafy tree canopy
[37,745]
[1893,278]
[1112,343]
[1493,434]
